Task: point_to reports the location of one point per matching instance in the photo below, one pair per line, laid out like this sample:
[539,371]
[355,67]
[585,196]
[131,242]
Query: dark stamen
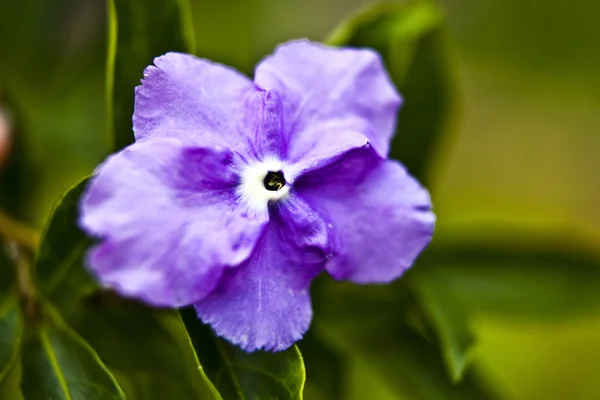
[274,181]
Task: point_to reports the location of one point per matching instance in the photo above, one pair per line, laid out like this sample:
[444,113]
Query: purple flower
[237,194]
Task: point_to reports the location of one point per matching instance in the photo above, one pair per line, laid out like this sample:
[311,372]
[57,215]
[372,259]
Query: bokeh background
[521,151]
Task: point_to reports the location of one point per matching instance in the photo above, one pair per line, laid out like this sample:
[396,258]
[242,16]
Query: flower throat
[274,181]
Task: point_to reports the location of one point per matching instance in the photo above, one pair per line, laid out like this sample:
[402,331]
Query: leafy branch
[21,244]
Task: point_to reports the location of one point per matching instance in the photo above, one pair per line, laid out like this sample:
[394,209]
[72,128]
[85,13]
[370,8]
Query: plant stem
[25,285]
[16,231]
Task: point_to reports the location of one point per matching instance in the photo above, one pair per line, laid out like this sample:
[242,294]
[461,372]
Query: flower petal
[194,100]
[351,90]
[264,118]
[380,217]
[265,303]
[325,150]
[169,221]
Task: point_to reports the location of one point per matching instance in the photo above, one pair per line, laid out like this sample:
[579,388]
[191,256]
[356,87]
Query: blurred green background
[521,153]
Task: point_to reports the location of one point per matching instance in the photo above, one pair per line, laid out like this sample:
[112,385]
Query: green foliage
[10,383]
[58,264]
[541,277]
[240,375]
[139,31]
[11,323]
[149,348]
[54,361]
[404,364]
[59,365]
[11,330]
[374,328]
[449,322]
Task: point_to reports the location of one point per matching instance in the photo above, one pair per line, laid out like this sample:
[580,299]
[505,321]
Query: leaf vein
[229,365]
[55,365]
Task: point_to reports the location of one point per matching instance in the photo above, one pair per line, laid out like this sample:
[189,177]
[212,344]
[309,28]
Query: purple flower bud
[237,194]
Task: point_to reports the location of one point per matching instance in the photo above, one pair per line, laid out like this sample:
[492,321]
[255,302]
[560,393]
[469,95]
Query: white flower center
[263,181]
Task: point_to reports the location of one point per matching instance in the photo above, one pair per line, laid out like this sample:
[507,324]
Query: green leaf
[401,363]
[449,322]
[149,348]
[10,384]
[503,276]
[59,365]
[404,364]
[128,335]
[139,31]
[11,331]
[408,35]
[537,276]
[368,326]
[240,375]
[58,265]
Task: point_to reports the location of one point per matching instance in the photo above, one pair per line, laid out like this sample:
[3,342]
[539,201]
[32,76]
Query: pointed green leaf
[368,325]
[139,31]
[404,364]
[510,276]
[59,365]
[449,322]
[127,335]
[153,386]
[240,375]
[408,36]
[537,276]
[148,347]
[58,265]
